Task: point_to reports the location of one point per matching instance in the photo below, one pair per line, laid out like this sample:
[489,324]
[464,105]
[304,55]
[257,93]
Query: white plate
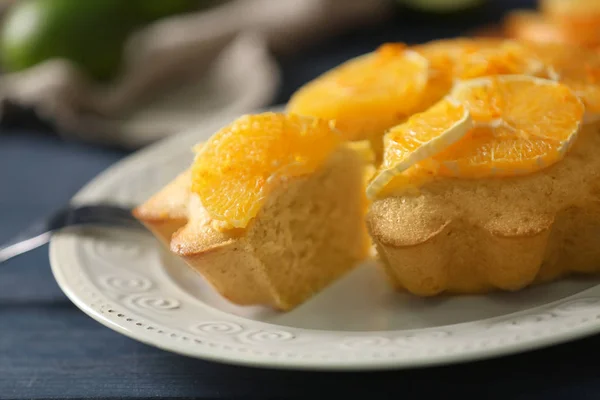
[128,282]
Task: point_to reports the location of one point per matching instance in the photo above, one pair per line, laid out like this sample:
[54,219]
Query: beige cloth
[183,70]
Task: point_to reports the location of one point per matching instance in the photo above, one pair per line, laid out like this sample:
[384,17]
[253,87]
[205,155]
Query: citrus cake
[470,164]
[275,209]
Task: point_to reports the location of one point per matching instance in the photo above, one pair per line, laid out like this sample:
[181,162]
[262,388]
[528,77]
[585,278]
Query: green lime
[90,33]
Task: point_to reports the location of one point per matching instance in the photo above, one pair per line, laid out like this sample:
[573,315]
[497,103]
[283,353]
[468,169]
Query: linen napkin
[184,70]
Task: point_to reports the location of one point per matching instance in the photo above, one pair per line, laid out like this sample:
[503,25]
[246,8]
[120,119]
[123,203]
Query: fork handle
[34,236]
[22,244]
[39,233]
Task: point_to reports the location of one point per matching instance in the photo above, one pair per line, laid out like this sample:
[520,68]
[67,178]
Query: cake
[476,236]
[512,201]
[276,247]
[470,164]
[466,226]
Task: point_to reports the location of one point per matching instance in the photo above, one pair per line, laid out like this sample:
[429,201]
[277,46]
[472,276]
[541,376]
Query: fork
[40,232]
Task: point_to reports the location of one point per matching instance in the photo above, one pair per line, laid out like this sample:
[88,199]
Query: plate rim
[331,365]
[60,241]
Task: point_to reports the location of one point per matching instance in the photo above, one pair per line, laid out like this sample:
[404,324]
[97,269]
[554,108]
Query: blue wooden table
[50,349]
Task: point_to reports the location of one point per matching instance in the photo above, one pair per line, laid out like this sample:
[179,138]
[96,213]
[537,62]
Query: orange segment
[237,167]
[421,137]
[368,94]
[534,123]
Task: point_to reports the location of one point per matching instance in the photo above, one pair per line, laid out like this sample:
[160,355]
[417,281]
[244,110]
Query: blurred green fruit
[90,33]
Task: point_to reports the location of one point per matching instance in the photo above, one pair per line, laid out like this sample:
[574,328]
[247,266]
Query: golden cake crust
[472,236]
[167,210]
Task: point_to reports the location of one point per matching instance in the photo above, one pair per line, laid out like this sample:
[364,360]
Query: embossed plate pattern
[128,282]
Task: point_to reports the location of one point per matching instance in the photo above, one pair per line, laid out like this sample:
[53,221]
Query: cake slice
[275,210]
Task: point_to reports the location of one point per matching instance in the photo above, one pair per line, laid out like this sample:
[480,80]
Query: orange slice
[451,50]
[238,166]
[576,67]
[522,124]
[579,20]
[368,94]
[421,137]
[508,58]
[532,26]
[472,58]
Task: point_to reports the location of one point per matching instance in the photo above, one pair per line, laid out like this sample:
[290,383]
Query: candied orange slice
[236,169]
[522,124]
[368,94]
[577,19]
[421,137]
[507,58]
[466,58]
[497,126]
[532,26]
[451,50]
[576,67]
